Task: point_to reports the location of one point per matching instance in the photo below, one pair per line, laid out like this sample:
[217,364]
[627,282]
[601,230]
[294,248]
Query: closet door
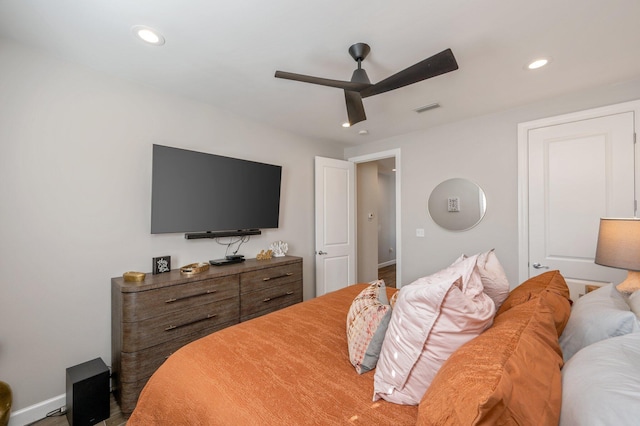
[578,171]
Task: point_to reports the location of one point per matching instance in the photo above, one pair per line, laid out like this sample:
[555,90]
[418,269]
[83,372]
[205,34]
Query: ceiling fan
[360,87]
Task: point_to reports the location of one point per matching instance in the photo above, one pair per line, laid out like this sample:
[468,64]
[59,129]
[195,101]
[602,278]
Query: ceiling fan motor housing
[360,76]
[359,51]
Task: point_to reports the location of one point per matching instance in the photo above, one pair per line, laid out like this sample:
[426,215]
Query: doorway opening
[378,218]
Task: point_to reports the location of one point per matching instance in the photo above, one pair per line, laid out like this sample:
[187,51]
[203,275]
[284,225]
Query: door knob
[321,252]
[539,266]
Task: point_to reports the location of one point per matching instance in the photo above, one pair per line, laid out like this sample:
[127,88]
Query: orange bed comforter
[290,367]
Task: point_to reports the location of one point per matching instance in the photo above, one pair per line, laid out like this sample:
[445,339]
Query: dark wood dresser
[152,319]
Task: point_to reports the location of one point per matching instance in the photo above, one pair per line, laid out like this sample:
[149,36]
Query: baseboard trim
[387,263]
[37,411]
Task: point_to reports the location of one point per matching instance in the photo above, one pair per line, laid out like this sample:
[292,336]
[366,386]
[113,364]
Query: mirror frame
[457,204]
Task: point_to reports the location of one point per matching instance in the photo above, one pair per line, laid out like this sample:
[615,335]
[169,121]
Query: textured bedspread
[290,367]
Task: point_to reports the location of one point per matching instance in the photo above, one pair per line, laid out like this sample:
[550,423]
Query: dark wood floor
[388,274]
[116,419]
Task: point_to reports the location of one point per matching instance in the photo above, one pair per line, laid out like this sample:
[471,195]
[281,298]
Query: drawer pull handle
[176,299]
[173,327]
[268,299]
[288,274]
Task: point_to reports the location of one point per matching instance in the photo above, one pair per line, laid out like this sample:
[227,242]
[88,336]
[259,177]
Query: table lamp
[619,247]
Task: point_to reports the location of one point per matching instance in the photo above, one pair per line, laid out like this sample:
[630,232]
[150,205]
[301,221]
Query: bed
[294,367]
[285,368]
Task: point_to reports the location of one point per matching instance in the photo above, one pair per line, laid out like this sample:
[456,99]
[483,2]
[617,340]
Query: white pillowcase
[432,318]
[601,384]
[598,315]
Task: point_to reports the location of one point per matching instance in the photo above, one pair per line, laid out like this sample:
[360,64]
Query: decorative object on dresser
[264,255]
[194,268]
[619,247]
[153,319]
[134,277]
[161,264]
[279,248]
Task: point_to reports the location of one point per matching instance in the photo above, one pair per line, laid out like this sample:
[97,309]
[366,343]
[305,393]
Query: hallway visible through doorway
[388,274]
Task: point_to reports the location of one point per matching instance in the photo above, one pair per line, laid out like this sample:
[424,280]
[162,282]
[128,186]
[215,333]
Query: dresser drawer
[141,365]
[270,277]
[153,303]
[269,299]
[154,331]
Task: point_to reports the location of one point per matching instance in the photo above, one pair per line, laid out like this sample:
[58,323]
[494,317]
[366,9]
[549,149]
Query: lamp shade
[619,244]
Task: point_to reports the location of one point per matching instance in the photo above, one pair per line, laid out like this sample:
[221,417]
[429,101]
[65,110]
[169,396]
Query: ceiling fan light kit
[360,86]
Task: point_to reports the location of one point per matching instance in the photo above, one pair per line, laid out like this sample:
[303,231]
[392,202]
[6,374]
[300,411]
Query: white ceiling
[225,53]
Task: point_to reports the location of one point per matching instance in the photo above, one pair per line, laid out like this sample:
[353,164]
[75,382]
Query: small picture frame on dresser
[161,264]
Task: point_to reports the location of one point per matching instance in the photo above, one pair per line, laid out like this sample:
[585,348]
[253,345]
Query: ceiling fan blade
[437,64]
[346,85]
[355,108]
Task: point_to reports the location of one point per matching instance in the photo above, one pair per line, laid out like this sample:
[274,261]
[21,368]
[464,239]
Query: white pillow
[601,384]
[598,315]
[634,302]
[432,318]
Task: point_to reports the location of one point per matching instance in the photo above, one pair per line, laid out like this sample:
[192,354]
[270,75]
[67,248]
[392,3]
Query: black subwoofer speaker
[88,393]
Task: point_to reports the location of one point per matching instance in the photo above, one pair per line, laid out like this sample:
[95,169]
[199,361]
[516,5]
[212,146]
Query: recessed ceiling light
[538,63]
[363,132]
[148,35]
[346,124]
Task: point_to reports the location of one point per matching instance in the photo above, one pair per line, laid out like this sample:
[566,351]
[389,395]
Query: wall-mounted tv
[212,195]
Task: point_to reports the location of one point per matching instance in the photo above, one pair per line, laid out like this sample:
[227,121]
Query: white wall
[484,150]
[386,218]
[75,174]
[367,228]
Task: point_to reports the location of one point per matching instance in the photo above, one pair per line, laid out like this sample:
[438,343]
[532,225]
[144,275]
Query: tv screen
[198,192]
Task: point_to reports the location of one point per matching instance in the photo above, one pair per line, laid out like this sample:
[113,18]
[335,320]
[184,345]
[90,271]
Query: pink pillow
[432,318]
[494,280]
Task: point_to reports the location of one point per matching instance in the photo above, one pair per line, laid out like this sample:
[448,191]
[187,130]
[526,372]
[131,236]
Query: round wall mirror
[457,204]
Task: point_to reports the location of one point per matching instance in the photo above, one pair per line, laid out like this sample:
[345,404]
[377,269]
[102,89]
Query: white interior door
[335,224]
[579,171]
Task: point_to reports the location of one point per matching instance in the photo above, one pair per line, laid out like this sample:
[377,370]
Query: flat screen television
[206,195]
